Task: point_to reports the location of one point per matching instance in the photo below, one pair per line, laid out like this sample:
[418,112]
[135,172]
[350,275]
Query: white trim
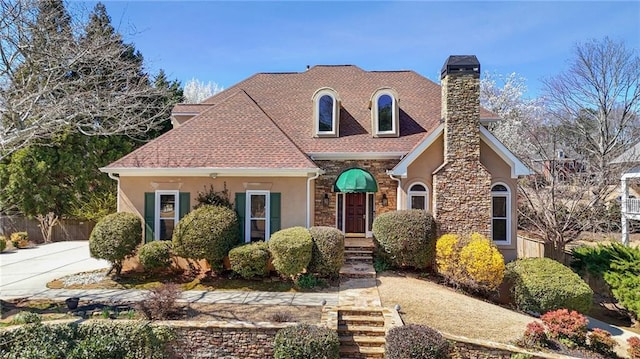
[424,194]
[394,112]
[117,179]
[247,214]
[368,219]
[340,195]
[309,199]
[156,210]
[208,171]
[335,114]
[355,155]
[401,168]
[506,194]
[517,167]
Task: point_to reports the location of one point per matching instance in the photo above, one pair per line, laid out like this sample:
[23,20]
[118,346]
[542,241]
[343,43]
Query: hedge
[250,260]
[155,256]
[305,341]
[115,238]
[327,254]
[416,342]
[291,250]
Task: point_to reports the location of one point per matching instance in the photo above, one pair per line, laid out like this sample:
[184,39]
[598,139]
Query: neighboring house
[332,146]
[563,168]
[629,182]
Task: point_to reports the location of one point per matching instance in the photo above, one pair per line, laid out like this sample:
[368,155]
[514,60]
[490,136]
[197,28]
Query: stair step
[359,330]
[363,340]
[356,259]
[368,312]
[370,352]
[375,321]
[358,253]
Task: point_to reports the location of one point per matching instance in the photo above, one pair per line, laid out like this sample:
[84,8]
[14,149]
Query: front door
[356,216]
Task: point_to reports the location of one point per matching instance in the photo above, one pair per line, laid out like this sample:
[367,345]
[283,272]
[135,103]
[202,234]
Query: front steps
[358,253]
[361,332]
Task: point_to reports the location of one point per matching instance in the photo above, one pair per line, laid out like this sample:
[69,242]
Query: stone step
[357,274]
[358,253]
[362,248]
[361,330]
[358,259]
[373,312]
[354,351]
[361,320]
[362,340]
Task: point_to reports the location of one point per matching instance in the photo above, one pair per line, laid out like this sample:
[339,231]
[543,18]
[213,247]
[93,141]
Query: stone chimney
[462,198]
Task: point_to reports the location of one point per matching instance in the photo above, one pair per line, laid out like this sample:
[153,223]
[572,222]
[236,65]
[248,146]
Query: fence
[530,248]
[66,230]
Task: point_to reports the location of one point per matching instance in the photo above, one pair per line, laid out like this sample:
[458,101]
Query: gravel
[84,278]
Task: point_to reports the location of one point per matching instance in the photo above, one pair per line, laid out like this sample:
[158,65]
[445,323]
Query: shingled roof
[267,121]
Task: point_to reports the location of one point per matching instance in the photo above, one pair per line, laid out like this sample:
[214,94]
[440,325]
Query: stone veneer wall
[326,216]
[462,199]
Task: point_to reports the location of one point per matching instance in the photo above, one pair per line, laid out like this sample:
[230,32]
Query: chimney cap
[460,64]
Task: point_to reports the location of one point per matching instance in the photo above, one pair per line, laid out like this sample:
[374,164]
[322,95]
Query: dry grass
[444,309]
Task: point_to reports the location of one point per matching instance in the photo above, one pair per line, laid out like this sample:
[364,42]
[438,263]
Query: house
[629,183]
[332,146]
[563,168]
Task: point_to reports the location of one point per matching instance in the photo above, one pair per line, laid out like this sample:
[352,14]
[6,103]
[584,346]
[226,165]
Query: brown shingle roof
[236,132]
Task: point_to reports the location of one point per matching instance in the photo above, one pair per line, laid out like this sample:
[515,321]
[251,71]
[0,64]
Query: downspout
[117,179]
[309,196]
[398,190]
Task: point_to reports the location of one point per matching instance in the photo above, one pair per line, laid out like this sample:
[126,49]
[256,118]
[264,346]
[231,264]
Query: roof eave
[209,172]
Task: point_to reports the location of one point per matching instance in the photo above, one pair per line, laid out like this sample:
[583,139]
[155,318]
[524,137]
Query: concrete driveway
[25,272]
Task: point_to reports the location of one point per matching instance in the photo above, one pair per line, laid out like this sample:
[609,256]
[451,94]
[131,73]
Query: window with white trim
[257,214]
[501,214]
[326,112]
[385,113]
[167,204]
[418,196]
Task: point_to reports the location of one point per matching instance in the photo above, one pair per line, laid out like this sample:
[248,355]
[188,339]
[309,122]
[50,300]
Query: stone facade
[462,185]
[326,215]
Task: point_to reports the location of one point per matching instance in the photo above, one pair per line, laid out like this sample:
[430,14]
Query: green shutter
[241,200]
[185,197]
[274,207]
[149,215]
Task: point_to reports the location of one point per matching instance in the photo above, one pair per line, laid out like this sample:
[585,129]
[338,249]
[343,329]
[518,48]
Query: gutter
[117,179]
[398,190]
[317,174]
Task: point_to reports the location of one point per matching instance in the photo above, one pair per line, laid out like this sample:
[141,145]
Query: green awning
[355,180]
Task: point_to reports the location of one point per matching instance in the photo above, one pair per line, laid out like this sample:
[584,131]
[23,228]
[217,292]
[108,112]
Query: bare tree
[52,81]
[196,91]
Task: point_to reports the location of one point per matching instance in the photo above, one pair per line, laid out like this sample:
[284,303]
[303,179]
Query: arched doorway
[355,189]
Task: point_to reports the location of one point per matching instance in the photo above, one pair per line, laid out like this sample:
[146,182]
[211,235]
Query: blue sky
[225,42]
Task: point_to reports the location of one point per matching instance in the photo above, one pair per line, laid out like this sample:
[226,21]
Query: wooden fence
[66,230]
[530,248]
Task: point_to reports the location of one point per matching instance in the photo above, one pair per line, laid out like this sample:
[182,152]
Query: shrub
[407,237]
[542,284]
[281,317]
[160,302]
[305,341]
[3,243]
[26,318]
[534,336]
[20,239]
[308,281]
[291,250]
[600,341]
[473,262]
[250,260]
[327,254]
[214,198]
[624,279]
[155,255]
[563,324]
[115,238]
[208,232]
[416,341]
[634,347]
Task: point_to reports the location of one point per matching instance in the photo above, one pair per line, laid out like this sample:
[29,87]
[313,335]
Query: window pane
[167,206]
[166,228]
[385,113]
[258,203]
[500,207]
[418,202]
[340,211]
[418,188]
[499,229]
[258,230]
[325,113]
[499,188]
[372,201]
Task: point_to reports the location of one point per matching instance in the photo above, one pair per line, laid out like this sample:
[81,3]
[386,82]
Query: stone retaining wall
[466,348]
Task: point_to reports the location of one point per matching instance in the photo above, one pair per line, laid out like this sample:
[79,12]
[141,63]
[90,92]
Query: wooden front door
[355,212]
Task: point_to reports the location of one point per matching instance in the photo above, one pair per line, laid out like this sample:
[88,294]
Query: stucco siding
[421,170]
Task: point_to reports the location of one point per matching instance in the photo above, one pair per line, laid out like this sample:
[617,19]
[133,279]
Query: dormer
[385,113]
[326,113]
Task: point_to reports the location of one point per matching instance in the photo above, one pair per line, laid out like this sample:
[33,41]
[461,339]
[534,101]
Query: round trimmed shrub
[250,260]
[208,232]
[305,341]
[155,255]
[115,238]
[327,254]
[541,285]
[416,342]
[406,237]
[482,262]
[291,250]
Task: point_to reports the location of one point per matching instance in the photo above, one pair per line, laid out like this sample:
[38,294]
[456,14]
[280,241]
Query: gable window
[384,113]
[418,197]
[501,214]
[326,113]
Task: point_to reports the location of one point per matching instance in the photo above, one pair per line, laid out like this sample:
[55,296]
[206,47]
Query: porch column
[624,185]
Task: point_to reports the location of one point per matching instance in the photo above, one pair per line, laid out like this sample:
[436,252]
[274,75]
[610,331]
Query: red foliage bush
[600,341]
[534,336]
[568,325]
[634,347]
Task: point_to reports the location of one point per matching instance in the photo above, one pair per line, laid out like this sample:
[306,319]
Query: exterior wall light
[385,200]
[325,200]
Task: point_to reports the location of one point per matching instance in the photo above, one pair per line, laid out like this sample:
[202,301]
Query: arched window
[501,214]
[326,112]
[384,113]
[418,197]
